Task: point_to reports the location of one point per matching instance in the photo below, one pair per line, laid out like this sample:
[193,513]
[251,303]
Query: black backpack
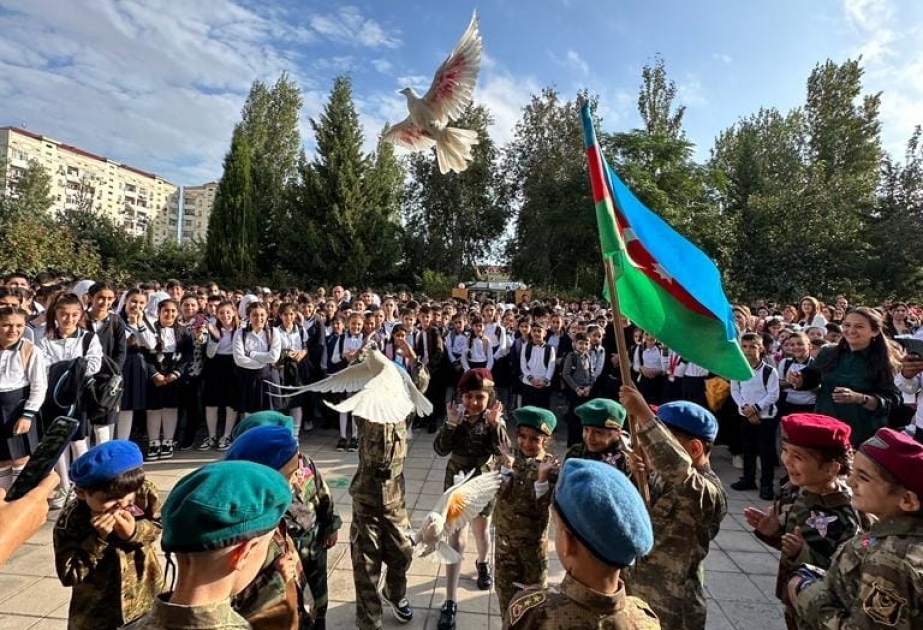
[102,393]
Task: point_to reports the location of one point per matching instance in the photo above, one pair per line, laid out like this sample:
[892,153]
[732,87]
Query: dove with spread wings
[385,393]
[457,507]
[447,97]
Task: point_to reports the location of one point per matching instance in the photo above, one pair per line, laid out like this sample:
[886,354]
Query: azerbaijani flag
[666,285]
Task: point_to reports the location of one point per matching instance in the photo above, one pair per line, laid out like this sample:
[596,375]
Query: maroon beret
[475,380]
[900,455]
[814,430]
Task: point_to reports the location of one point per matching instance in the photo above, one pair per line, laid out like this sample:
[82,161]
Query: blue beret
[539,419]
[604,511]
[689,417]
[105,462]
[601,412]
[222,504]
[267,445]
[263,418]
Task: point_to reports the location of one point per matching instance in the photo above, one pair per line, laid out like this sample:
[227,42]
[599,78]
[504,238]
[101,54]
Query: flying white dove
[384,392]
[447,97]
[458,505]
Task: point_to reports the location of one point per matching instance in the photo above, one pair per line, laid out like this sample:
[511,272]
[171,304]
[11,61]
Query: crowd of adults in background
[195,359]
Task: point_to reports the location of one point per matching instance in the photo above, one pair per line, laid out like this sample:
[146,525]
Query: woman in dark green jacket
[856,376]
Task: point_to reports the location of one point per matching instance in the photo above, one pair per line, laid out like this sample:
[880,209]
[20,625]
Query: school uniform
[537,362]
[22,391]
[255,355]
[171,355]
[430,347]
[674,370]
[478,353]
[59,356]
[139,341]
[317,349]
[795,400]
[219,375]
[649,357]
[293,373]
[693,387]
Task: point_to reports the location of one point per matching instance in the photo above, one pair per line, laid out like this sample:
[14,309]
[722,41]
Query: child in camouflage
[814,515]
[874,579]
[523,505]
[472,436]
[104,539]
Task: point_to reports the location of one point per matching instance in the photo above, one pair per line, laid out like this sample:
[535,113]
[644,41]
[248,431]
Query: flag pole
[624,370]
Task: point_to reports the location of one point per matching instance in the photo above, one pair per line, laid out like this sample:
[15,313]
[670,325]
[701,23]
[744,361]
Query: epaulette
[522,604]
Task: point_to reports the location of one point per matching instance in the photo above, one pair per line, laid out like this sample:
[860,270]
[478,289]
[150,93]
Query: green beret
[222,504]
[603,413]
[261,419]
[540,419]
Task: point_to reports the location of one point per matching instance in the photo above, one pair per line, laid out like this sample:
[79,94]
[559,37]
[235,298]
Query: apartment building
[197,202]
[136,199]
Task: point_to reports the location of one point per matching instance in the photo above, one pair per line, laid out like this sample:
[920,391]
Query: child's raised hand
[548,464]
[103,523]
[124,526]
[767,523]
[452,414]
[792,543]
[506,458]
[494,414]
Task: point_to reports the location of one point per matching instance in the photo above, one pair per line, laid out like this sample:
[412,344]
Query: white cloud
[576,62]
[691,91]
[893,63]
[349,26]
[723,58]
[382,65]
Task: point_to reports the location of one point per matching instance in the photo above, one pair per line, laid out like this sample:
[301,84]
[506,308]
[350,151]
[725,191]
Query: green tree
[381,231]
[118,249]
[455,220]
[555,242]
[270,124]
[231,248]
[656,162]
[31,192]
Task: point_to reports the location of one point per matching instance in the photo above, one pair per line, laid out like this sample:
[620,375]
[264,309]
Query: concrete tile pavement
[740,570]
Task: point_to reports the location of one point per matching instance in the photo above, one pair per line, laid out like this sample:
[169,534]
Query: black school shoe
[767,493]
[447,616]
[341,445]
[743,484]
[485,578]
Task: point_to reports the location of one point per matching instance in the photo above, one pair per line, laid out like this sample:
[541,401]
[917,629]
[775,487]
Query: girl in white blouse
[22,390]
[166,365]
[220,377]
[256,351]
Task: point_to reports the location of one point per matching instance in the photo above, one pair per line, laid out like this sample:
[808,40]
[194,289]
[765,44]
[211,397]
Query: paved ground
[740,570]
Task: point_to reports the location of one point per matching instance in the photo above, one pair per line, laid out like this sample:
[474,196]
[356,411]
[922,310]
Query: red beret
[900,455]
[475,380]
[814,430]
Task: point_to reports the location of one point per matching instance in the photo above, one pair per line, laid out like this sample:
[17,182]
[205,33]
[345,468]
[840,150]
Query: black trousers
[759,440]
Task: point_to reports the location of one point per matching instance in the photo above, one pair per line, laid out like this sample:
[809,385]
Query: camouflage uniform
[875,581]
[114,580]
[687,507]
[572,606]
[271,601]
[612,455]
[312,519]
[472,445]
[521,521]
[167,616]
[377,535]
[826,521]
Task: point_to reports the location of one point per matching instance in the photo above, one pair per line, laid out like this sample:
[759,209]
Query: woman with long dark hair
[856,376]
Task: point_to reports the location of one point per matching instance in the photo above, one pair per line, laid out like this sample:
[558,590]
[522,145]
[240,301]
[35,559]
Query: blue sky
[159,84]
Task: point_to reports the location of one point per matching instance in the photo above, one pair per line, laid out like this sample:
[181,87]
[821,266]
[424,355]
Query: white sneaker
[224,444]
[59,497]
[737,462]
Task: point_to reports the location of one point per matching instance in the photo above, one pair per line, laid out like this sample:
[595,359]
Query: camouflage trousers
[521,562]
[315,572]
[378,538]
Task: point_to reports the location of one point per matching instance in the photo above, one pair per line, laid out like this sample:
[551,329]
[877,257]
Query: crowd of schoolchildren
[246,537]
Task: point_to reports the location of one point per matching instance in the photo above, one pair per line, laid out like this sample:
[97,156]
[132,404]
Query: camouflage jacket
[472,444]
[379,479]
[273,601]
[826,521]
[167,616]
[312,517]
[573,606]
[687,507]
[875,581]
[612,455]
[114,581]
[519,514]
